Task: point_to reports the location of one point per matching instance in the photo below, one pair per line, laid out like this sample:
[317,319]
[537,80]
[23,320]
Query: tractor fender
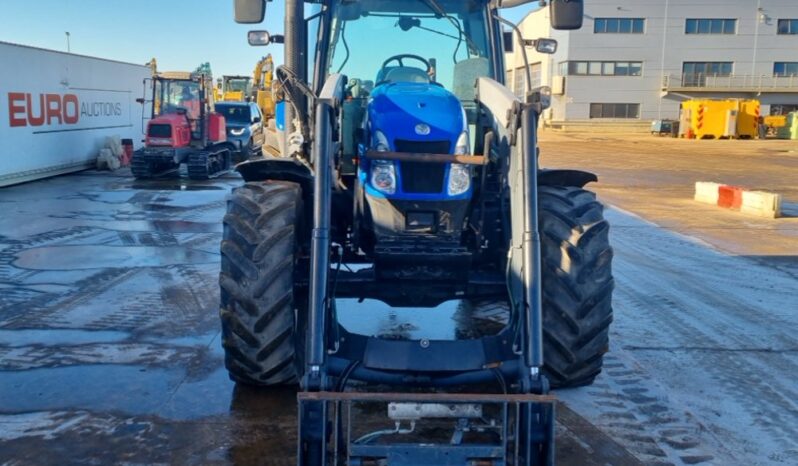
[278,169]
[563,177]
[284,169]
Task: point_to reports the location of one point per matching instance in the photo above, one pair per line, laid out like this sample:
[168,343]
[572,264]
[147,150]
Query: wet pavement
[109,332]
[110,351]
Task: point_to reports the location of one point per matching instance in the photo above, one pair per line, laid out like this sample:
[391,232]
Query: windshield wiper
[438,9]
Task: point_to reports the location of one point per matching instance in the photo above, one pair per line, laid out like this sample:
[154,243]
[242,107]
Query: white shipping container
[57,109]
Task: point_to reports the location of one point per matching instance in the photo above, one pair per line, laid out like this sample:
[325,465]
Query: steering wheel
[400,57]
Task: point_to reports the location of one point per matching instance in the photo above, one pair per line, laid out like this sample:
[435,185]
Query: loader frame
[511,360]
[514,357]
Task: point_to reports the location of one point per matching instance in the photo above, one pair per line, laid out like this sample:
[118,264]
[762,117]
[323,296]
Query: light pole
[67,36]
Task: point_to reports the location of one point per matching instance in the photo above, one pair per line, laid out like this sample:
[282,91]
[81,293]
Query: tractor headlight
[380,142]
[383,176]
[459,179]
[461,148]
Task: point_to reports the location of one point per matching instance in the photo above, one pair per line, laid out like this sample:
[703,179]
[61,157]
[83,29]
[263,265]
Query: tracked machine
[411,177]
[183,129]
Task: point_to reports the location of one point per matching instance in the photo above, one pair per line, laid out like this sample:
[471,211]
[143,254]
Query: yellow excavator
[262,86]
[233,88]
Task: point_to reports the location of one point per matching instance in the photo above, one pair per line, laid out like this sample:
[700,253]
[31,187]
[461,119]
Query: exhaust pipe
[296,61]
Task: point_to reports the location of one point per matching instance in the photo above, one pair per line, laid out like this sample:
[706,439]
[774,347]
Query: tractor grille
[159,131]
[420,177]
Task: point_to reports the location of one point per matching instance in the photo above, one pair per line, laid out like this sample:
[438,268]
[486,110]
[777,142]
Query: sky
[180,34]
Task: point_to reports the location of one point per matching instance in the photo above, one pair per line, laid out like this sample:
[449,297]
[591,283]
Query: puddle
[100,257]
[451,320]
[130,389]
[52,337]
[38,287]
[178,226]
[169,185]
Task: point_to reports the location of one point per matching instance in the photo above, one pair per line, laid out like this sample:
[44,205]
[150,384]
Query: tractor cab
[177,111]
[183,128]
[180,106]
[410,97]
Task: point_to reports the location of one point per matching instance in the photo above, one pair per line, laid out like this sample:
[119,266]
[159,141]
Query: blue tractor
[409,174]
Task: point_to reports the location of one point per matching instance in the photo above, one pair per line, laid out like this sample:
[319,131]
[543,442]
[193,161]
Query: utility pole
[67,37]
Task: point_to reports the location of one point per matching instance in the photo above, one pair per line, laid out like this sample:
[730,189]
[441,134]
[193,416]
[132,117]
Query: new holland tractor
[410,176]
[183,128]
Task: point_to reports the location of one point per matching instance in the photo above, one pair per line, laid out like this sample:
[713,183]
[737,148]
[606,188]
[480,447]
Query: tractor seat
[407,74]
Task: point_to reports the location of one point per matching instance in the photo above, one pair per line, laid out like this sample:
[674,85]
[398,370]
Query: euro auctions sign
[57,110]
[81,110]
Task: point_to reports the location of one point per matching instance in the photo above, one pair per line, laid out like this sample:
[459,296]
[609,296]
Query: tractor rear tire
[259,334]
[576,260]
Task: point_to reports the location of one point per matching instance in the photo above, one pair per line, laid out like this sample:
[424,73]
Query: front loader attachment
[512,426]
[432,428]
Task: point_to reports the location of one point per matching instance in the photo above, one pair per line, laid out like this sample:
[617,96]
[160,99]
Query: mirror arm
[521,43]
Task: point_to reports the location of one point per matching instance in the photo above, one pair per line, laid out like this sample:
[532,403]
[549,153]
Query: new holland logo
[422,129]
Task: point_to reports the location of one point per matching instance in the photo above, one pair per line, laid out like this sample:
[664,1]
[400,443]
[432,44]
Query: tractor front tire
[576,260]
[259,334]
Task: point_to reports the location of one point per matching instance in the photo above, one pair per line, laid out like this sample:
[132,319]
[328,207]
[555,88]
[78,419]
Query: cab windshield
[449,36]
[173,95]
[237,85]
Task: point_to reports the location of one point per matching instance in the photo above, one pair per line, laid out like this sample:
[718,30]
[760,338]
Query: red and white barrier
[759,203]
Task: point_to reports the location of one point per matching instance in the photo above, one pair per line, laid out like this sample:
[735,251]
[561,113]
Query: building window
[519,82]
[619,25]
[787,26]
[535,69]
[519,78]
[785,68]
[694,73]
[601,68]
[782,109]
[710,26]
[614,110]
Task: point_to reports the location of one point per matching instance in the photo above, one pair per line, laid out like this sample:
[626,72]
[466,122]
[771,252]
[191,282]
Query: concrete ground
[654,177]
[109,334]
[704,347]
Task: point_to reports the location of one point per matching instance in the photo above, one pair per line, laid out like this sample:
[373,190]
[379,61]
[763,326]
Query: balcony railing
[731,83]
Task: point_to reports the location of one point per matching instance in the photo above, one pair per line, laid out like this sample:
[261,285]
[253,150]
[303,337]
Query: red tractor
[183,129]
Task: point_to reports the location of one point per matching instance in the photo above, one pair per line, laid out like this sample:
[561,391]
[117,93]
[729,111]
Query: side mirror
[257,38]
[567,14]
[249,11]
[509,43]
[256,119]
[547,46]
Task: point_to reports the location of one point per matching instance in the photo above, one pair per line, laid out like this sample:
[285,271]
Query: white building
[633,61]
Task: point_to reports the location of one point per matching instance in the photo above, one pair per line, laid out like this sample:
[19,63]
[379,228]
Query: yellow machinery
[153,64]
[779,126]
[233,88]
[718,119]
[262,86]
[776,121]
[790,128]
